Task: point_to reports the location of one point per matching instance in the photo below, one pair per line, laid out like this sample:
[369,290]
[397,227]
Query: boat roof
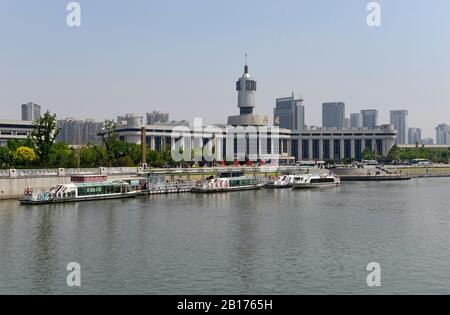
[98,184]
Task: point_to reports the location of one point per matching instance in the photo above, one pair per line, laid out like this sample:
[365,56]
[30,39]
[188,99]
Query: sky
[183,57]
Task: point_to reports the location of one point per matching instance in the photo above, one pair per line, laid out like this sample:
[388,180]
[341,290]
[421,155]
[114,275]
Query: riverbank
[420,172]
[14,182]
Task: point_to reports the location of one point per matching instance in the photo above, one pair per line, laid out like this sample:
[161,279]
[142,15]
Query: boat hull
[315,186]
[25,201]
[274,186]
[223,190]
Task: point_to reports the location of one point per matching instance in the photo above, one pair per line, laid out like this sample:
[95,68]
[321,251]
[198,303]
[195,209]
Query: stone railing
[18,173]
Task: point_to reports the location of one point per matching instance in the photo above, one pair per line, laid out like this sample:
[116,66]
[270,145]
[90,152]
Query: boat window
[322,180]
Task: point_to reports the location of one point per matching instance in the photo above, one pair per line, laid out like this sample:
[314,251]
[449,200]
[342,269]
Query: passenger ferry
[315,181]
[227,182]
[94,189]
[281,182]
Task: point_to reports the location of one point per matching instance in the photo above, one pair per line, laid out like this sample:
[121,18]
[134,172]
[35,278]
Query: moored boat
[315,181]
[227,182]
[82,191]
[281,182]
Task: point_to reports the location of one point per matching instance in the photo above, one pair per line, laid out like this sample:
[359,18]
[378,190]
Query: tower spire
[246,63]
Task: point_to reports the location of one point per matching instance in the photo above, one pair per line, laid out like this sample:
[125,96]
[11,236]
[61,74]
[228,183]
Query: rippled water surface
[262,242]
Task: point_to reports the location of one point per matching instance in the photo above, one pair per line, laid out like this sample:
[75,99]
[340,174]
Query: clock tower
[246,87]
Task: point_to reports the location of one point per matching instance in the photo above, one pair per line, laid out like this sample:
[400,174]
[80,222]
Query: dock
[373,178]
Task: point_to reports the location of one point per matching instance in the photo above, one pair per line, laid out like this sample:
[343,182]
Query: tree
[24,156]
[92,156]
[330,162]
[154,159]
[62,156]
[6,157]
[395,154]
[44,136]
[109,138]
[126,161]
[367,154]
[166,156]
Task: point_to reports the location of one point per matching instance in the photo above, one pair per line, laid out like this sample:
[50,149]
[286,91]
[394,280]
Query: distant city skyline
[135,61]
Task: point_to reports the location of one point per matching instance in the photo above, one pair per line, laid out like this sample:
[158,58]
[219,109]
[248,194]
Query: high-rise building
[157,118]
[347,123]
[289,113]
[370,118]
[442,134]
[79,132]
[414,135]
[399,118]
[31,111]
[356,120]
[333,115]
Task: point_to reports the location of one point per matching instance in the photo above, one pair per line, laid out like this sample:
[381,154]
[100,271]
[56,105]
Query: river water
[259,242]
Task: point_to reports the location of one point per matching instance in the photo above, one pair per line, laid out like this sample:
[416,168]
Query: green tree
[395,154]
[44,136]
[154,159]
[92,156]
[62,156]
[166,156]
[126,161]
[110,141]
[367,154]
[6,157]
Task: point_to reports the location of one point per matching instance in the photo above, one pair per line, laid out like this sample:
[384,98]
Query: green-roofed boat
[85,191]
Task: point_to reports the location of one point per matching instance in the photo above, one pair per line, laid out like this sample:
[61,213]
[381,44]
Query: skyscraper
[356,120]
[289,113]
[414,135]
[370,118]
[31,111]
[442,134]
[333,115]
[399,118]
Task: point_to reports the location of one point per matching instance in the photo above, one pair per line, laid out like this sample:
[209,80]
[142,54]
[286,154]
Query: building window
[358,151]
[337,150]
[326,149]
[380,146]
[316,149]
[305,149]
[347,149]
[294,146]
[158,146]
[368,145]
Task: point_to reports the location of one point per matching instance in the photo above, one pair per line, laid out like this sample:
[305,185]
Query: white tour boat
[284,181]
[82,191]
[227,182]
[315,181]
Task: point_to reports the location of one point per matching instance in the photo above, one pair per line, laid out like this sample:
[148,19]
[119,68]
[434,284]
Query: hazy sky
[184,57]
